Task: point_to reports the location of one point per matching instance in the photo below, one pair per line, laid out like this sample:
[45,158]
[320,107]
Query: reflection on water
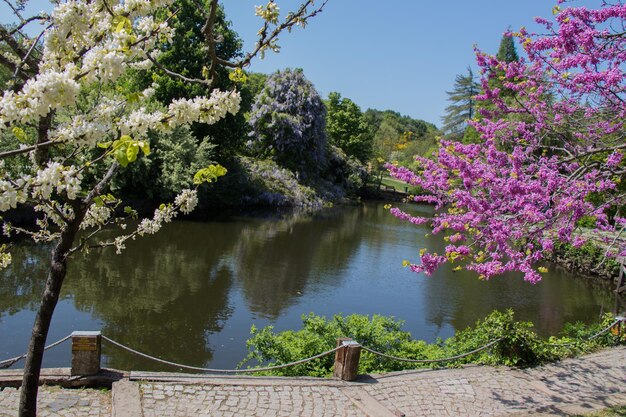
[191,292]
[275,259]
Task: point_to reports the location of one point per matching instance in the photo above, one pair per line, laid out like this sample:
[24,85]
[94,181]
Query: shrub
[170,168]
[346,171]
[269,184]
[519,345]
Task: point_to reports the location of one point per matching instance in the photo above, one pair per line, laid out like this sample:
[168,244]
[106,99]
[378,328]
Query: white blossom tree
[67,127]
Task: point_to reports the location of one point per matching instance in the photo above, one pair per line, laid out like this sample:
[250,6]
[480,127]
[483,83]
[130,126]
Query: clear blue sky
[401,55]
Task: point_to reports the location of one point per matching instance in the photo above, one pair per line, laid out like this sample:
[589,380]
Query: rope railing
[451,358]
[10,362]
[223,371]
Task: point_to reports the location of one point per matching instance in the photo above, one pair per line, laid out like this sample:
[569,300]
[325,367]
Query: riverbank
[572,386]
[589,259]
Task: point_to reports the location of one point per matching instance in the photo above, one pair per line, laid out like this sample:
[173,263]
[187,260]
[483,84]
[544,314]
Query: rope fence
[224,371]
[451,358]
[10,362]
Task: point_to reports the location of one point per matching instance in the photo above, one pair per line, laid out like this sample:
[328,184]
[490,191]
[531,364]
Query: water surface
[190,293]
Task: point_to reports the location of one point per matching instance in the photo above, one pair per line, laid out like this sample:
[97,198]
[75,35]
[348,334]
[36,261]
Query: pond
[190,293]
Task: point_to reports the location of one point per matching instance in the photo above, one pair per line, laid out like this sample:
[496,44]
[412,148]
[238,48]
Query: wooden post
[347,359]
[86,348]
[620,325]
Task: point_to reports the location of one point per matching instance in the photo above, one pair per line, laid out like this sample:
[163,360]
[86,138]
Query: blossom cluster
[187,200]
[56,176]
[97,215]
[203,109]
[53,177]
[48,91]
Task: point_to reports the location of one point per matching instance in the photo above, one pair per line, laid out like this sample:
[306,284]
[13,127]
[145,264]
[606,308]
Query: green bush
[345,171]
[272,185]
[169,169]
[518,344]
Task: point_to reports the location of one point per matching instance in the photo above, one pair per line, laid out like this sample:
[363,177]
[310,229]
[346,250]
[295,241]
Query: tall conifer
[463,105]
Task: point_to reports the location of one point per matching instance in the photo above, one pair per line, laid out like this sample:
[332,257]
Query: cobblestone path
[55,401]
[570,387]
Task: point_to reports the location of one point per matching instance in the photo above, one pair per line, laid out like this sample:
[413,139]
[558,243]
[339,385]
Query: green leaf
[105,145]
[145,147]
[238,76]
[209,174]
[19,134]
[121,157]
[132,151]
[121,23]
[130,212]
[133,98]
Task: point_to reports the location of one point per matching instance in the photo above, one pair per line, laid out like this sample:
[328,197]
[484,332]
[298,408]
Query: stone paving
[230,401]
[55,401]
[570,387]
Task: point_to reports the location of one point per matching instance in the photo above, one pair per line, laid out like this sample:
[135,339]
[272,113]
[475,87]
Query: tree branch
[18,50]
[292,19]
[207,30]
[208,83]
[593,152]
[97,190]
[25,22]
[27,149]
[29,52]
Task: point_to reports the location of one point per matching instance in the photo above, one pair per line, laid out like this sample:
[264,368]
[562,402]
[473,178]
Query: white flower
[203,109]
[148,227]
[96,215]
[49,90]
[119,244]
[187,200]
[8,196]
[55,175]
[148,92]
[139,122]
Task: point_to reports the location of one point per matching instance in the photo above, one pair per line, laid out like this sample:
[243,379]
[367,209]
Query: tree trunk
[54,282]
[32,367]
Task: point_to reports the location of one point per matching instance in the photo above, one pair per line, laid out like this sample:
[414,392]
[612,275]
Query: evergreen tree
[507,51]
[507,54]
[463,105]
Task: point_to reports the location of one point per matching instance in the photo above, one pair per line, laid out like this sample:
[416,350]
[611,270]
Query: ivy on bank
[519,345]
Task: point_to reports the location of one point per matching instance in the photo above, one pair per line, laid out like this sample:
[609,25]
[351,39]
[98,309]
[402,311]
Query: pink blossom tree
[551,151]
